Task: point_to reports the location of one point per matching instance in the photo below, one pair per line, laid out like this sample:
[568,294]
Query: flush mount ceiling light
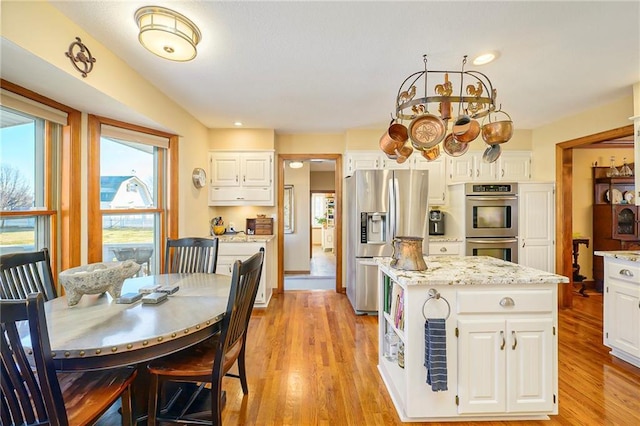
[295,164]
[167,34]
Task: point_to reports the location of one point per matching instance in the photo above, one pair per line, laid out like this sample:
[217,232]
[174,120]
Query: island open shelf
[501,339]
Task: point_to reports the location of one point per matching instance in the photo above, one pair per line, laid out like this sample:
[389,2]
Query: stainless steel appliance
[492,220]
[380,205]
[436,222]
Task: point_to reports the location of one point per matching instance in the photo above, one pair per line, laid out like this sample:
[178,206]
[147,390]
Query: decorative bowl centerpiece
[96,278]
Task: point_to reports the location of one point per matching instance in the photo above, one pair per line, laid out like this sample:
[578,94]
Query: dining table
[100,333]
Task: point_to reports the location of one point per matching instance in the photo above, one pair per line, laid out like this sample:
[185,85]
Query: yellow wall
[545,138]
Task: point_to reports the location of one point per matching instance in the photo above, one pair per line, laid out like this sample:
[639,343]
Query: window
[129,193]
[27,198]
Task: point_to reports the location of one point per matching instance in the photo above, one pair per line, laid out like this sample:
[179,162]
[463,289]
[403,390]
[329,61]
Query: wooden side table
[576,266]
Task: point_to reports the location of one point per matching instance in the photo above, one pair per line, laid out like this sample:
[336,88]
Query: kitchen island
[621,319]
[501,339]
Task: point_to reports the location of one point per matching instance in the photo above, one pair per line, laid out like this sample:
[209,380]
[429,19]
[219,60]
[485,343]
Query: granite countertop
[469,270]
[435,239]
[241,237]
[630,255]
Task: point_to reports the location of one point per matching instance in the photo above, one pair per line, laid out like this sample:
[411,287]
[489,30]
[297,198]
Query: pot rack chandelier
[467,92]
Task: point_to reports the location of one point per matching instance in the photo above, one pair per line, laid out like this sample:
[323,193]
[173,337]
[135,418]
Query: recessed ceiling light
[485,58]
[296,164]
[237,123]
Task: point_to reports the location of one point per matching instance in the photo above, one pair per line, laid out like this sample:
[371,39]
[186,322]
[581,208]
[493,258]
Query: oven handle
[493,241]
[494,198]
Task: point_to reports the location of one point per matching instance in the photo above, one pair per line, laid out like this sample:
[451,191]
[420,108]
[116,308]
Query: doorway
[324,265]
[564,201]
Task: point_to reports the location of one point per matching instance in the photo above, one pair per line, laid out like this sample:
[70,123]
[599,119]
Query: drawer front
[441,249]
[504,301]
[239,249]
[623,271]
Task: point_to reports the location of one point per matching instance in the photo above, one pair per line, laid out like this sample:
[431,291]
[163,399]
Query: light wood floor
[311,361]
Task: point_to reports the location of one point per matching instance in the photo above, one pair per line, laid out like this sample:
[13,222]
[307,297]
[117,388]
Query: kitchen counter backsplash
[630,255]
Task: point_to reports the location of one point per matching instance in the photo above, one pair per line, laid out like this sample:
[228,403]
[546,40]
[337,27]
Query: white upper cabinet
[372,160]
[512,166]
[437,178]
[241,178]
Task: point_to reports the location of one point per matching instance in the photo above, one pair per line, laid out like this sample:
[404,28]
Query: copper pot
[461,125]
[400,155]
[497,132]
[470,134]
[427,130]
[393,138]
[407,254]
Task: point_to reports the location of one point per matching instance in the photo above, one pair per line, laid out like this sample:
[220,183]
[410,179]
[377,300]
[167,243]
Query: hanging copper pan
[427,130]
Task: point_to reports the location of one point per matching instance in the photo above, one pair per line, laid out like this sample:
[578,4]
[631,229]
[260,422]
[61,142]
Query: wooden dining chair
[25,273]
[190,255]
[34,394]
[210,361]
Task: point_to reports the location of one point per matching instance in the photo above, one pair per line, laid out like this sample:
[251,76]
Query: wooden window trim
[65,232]
[168,175]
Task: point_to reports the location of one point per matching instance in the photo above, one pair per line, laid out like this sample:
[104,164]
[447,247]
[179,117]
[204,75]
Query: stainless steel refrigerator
[380,204]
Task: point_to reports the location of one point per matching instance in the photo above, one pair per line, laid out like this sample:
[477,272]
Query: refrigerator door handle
[391,212]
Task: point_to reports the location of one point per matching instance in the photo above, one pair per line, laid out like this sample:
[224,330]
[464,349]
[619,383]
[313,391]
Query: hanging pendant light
[167,34]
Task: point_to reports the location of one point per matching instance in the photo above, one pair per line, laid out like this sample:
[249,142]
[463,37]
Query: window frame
[62,208]
[166,208]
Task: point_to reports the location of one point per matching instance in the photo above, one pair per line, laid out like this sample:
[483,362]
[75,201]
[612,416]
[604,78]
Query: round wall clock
[199,177]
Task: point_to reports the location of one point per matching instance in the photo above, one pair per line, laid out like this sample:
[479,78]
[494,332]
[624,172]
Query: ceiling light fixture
[237,123]
[295,164]
[167,34]
[485,58]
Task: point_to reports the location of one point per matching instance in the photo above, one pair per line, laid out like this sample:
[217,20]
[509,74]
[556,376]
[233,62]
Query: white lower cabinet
[229,252]
[501,350]
[503,365]
[327,238]
[622,309]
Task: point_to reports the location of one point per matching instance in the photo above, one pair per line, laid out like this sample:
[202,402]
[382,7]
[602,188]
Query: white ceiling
[306,67]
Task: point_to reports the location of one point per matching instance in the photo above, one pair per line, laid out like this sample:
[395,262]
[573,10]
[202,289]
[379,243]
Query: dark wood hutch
[616,225]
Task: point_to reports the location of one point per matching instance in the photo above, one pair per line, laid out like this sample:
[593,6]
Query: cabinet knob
[507,301]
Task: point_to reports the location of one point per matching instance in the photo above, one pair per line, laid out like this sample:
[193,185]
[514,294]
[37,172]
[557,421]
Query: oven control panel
[491,188]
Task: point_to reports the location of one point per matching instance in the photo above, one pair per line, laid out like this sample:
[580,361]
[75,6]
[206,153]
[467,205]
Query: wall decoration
[82,60]
[289,208]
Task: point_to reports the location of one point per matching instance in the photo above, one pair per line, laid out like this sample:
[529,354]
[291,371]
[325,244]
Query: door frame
[564,201]
[282,159]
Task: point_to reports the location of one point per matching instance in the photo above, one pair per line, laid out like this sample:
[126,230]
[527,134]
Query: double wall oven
[492,220]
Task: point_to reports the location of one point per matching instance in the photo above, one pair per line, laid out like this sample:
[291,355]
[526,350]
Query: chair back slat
[28,398]
[25,273]
[244,288]
[191,255]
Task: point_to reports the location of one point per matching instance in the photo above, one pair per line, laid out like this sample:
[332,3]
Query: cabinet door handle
[502,173]
[503,341]
[507,301]
[244,178]
[515,340]
[626,272]
[523,244]
[443,249]
[236,178]
[477,172]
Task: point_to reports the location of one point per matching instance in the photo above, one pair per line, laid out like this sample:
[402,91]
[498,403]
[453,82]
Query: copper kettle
[407,254]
